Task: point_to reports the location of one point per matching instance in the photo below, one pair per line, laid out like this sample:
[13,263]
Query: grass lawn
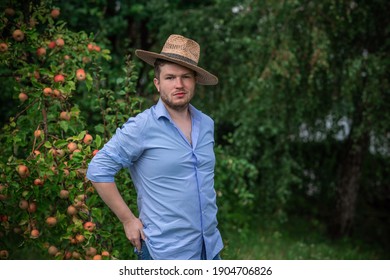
[297,240]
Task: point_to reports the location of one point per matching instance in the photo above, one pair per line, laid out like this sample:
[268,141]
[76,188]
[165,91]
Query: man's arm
[132,225]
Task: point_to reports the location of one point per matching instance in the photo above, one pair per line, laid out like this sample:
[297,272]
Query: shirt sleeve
[119,152]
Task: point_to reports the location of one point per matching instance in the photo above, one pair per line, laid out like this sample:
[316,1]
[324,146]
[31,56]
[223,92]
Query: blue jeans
[145,255]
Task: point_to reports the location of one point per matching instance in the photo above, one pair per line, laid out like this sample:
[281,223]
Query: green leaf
[88,81]
[60,143]
[81,135]
[97,214]
[98,141]
[64,125]
[99,128]
[47,145]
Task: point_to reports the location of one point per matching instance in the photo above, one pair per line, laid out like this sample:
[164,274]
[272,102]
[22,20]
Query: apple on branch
[80,74]
[60,42]
[41,51]
[87,139]
[55,13]
[47,91]
[59,78]
[51,221]
[51,45]
[23,171]
[64,115]
[18,35]
[3,47]
[23,97]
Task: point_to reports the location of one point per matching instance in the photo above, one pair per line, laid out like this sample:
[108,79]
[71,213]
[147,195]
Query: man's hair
[161,62]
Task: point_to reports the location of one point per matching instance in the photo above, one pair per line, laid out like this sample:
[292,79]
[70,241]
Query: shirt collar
[161,111]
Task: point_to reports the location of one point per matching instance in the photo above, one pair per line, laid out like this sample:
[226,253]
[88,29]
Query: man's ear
[156,84]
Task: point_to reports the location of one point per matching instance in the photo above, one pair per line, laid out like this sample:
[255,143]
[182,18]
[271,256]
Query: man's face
[176,85]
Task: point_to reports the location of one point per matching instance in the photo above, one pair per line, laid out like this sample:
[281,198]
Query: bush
[48,209]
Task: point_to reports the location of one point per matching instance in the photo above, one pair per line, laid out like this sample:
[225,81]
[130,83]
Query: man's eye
[169,78]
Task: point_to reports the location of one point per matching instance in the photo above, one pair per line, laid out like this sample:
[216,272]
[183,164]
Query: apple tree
[47,206]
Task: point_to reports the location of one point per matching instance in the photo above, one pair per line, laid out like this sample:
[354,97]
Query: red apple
[60,153]
[23,204]
[47,91]
[64,115]
[79,238]
[60,42]
[41,51]
[51,45]
[4,254]
[18,35]
[71,210]
[64,194]
[37,75]
[55,13]
[56,93]
[76,255]
[38,182]
[72,146]
[87,139]
[32,207]
[3,47]
[59,78]
[90,251]
[80,74]
[68,255]
[90,226]
[90,47]
[23,171]
[34,233]
[23,97]
[51,221]
[38,133]
[105,254]
[52,250]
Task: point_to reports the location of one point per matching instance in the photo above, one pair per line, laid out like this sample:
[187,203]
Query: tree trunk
[348,188]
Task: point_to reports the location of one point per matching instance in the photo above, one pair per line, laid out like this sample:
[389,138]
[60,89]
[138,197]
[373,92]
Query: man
[168,150]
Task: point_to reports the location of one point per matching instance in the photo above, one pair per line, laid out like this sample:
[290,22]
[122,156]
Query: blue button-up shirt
[174,181]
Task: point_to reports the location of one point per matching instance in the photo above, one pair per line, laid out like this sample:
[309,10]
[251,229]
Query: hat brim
[203,77]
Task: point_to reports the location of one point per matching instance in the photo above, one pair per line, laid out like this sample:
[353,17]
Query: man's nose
[179,82]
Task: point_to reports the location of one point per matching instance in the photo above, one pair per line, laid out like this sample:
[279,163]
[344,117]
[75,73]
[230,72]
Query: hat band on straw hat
[180,57]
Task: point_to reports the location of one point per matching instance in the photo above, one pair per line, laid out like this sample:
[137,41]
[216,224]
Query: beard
[178,105]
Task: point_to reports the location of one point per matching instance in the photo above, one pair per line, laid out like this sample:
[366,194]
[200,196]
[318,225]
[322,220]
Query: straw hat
[182,51]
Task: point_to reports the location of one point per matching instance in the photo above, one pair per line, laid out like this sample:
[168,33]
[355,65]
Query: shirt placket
[201,196]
